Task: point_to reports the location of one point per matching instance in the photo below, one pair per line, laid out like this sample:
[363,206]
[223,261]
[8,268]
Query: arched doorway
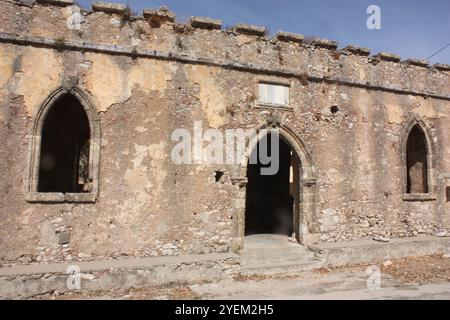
[305,226]
[272,200]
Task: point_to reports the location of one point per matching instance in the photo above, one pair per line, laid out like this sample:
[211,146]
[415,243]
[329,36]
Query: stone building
[89,101]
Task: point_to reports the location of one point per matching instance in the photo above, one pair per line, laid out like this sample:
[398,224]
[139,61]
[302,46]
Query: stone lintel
[250,29]
[416,62]
[324,43]
[388,57]
[205,23]
[162,14]
[289,36]
[109,7]
[58,2]
[361,51]
[442,66]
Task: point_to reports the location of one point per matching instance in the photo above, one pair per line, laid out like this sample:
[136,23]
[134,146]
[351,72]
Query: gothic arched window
[64,150]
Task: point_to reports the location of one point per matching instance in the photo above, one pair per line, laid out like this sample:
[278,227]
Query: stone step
[262,260]
[277,251]
[259,263]
[278,268]
[271,262]
[274,254]
[282,251]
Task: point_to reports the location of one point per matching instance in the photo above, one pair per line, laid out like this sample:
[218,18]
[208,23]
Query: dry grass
[260,277]
[420,270]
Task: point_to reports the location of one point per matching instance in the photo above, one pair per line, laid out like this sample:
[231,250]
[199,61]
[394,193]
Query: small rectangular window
[448,194]
[273,94]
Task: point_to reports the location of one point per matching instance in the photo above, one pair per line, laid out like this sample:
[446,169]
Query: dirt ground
[421,270]
[396,274]
[417,270]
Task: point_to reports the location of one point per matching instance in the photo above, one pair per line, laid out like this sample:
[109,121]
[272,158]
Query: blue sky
[411,29]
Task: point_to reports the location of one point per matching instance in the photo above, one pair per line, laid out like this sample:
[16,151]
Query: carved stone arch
[34,149]
[306,215]
[309,170]
[416,121]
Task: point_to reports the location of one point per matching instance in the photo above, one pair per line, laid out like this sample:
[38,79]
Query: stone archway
[417,126]
[36,133]
[304,198]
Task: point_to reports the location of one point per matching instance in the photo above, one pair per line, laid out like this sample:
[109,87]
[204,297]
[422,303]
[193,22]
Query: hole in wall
[447,192]
[334,109]
[218,175]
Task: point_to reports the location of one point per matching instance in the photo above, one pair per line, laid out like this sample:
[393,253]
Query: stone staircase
[274,254]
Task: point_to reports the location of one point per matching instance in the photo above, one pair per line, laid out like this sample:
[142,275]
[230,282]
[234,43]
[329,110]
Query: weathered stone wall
[147,76]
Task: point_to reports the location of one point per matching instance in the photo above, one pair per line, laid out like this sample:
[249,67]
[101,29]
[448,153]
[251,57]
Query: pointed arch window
[64,150]
[418,183]
[417,164]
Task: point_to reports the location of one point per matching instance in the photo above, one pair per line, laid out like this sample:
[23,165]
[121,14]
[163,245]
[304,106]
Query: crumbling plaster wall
[149,206]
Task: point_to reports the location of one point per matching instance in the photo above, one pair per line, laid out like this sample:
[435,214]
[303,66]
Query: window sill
[261,105]
[419,196]
[56,197]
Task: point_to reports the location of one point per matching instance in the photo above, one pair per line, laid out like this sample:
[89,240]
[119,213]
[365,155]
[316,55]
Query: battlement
[155,33]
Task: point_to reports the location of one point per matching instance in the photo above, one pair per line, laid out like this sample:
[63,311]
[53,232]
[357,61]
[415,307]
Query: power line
[439,51]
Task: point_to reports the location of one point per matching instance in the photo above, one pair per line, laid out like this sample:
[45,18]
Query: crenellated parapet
[114,29]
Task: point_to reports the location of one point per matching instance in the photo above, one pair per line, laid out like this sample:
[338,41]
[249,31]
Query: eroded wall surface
[147,77]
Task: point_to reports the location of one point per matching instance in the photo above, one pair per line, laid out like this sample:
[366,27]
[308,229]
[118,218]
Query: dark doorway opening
[64,158]
[417,165]
[270,199]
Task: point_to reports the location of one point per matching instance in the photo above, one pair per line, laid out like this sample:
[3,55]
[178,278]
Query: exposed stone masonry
[144,76]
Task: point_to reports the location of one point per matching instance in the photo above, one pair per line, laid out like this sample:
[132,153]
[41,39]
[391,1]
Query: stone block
[109,7]
[205,23]
[388,57]
[250,29]
[416,62]
[289,36]
[357,50]
[324,43]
